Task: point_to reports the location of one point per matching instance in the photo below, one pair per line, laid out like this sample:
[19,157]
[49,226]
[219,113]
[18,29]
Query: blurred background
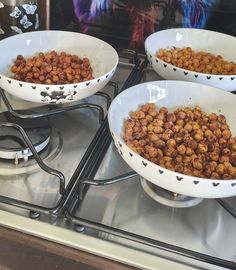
[122,23]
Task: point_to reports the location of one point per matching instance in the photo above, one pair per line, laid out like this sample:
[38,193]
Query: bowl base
[167,197]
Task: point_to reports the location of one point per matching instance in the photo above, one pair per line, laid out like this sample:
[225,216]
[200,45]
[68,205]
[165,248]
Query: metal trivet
[168,198]
[12,145]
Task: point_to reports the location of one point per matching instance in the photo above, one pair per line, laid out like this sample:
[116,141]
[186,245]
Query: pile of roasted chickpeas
[52,68]
[187,140]
[201,61]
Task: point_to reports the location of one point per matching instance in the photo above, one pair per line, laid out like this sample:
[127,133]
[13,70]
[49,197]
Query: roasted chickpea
[233,147]
[170,152]
[186,159]
[218,133]
[222,119]
[214,156]
[189,151]
[159,122]
[181,115]
[197,164]
[179,167]
[226,151]
[158,129]
[163,110]
[171,143]
[195,126]
[198,136]
[222,141]
[188,127]
[224,159]
[179,158]
[212,117]
[214,126]
[232,158]
[176,128]
[192,144]
[161,116]
[178,137]
[215,175]
[220,168]
[149,118]
[171,117]
[180,122]
[181,149]
[137,115]
[196,172]
[152,111]
[160,143]
[190,114]
[226,134]
[168,125]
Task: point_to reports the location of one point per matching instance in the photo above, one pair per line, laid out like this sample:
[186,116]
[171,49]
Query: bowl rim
[120,138]
[58,32]
[190,29]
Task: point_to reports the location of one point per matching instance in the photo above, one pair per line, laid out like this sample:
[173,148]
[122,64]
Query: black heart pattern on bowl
[185,73]
[165,65]
[161,172]
[9,81]
[208,77]
[195,182]
[179,178]
[215,184]
[144,163]
[33,87]
[130,154]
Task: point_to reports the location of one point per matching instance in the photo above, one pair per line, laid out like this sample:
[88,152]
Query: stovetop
[79,182]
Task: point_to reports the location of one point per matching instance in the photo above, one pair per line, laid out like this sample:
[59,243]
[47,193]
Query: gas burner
[12,145]
[168,198]
[51,152]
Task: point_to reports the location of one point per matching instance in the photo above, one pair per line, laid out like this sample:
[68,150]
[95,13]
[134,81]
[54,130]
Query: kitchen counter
[22,251]
[31,244]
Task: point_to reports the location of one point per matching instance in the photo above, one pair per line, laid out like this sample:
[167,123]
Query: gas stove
[62,179]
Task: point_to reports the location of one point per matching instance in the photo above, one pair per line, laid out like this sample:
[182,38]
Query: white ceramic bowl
[102,56]
[198,39]
[172,94]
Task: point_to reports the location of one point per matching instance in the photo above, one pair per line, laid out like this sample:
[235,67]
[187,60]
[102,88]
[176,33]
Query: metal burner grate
[168,198]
